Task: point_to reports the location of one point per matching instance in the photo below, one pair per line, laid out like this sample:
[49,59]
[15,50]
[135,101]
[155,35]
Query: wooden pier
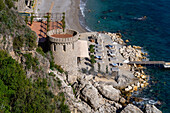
[147,62]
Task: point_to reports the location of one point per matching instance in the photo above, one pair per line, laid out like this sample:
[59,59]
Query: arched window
[64,47]
[54,47]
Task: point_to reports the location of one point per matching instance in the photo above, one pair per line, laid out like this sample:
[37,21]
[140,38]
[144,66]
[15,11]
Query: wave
[82,16]
[146,101]
[83,6]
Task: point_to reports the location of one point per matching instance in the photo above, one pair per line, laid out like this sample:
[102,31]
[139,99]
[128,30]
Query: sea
[152,33]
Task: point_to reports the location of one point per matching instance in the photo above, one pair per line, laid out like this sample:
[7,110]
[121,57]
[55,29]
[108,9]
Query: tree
[63,21]
[91,48]
[26,19]
[48,21]
[32,18]
[2,5]
[92,60]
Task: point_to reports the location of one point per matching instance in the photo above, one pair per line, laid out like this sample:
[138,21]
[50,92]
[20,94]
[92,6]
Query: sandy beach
[70,7]
[72,16]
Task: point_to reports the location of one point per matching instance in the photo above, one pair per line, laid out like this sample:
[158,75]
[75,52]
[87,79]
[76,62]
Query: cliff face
[26,85]
[17,39]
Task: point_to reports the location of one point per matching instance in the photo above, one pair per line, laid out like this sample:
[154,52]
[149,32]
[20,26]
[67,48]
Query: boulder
[82,107]
[72,79]
[131,109]
[151,109]
[90,95]
[107,108]
[122,100]
[109,92]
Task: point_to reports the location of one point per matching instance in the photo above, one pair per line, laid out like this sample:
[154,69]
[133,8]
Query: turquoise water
[153,34]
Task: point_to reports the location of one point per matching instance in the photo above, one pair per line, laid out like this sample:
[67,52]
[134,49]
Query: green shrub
[91,48]
[2,5]
[59,68]
[53,65]
[52,74]
[26,19]
[9,3]
[92,60]
[32,18]
[61,103]
[40,50]
[107,71]
[31,62]
[59,83]
[30,39]
[18,43]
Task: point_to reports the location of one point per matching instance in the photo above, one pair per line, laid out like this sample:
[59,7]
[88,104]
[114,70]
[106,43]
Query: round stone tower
[63,45]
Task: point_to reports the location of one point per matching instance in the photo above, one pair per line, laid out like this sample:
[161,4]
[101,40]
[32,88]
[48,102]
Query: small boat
[141,18]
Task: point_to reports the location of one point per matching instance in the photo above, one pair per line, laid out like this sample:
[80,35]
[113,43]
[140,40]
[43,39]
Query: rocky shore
[93,94]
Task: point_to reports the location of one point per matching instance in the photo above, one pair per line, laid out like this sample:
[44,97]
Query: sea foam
[82,16]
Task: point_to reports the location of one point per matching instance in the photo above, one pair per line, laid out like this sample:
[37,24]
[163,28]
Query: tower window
[73,46]
[54,47]
[64,47]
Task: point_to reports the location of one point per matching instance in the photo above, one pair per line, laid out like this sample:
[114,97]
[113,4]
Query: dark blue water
[153,34]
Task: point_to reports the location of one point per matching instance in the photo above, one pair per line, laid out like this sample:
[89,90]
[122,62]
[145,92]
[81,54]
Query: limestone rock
[107,108]
[151,109]
[72,79]
[117,105]
[91,96]
[82,107]
[109,92]
[122,100]
[44,62]
[123,80]
[131,109]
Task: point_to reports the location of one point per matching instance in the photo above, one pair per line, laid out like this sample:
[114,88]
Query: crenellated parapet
[61,40]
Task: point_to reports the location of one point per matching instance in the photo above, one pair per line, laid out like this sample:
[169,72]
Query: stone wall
[21,5]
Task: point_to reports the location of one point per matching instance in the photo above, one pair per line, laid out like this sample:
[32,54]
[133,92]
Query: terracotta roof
[62,35]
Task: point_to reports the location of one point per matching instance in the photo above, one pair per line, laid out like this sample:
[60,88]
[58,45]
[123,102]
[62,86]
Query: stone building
[65,48]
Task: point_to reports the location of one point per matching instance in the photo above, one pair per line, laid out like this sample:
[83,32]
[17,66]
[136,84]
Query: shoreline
[72,17]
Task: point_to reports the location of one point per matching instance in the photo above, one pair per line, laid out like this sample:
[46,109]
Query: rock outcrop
[91,96]
[107,108]
[130,53]
[151,109]
[131,109]
[109,92]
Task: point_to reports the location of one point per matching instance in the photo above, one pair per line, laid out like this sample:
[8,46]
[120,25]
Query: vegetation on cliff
[19,92]
[12,24]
